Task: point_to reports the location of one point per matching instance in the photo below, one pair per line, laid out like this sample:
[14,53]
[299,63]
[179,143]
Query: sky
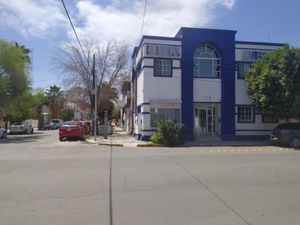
[42,25]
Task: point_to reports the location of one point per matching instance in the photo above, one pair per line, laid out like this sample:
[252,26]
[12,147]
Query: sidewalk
[122,138]
[119,137]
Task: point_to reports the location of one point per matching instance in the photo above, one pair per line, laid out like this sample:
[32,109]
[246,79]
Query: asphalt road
[47,182]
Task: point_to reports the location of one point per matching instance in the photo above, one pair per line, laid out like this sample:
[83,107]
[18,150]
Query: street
[44,181]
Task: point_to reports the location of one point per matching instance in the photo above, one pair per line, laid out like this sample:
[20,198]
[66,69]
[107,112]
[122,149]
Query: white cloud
[32,17]
[110,19]
[122,19]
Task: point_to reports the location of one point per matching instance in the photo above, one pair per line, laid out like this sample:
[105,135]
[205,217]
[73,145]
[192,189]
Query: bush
[169,133]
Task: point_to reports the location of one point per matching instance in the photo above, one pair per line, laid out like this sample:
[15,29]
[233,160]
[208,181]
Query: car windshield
[70,123]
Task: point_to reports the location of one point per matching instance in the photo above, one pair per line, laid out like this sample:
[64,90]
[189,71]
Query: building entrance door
[204,121]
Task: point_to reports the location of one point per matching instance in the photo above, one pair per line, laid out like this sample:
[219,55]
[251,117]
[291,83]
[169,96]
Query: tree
[25,106]
[55,100]
[14,73]
[107,98]
[67,114]
[76,65]
[274,83]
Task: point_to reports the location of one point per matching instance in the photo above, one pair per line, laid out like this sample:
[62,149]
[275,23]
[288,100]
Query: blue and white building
[197,78]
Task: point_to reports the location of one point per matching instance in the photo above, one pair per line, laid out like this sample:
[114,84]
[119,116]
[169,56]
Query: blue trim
[185,29]
[145,112]
[150,130]
[147,67]
[145,138]
[144,103]
[224,41]
[257,49]
[260,43]
[208,102]
[217,78]
[251,130]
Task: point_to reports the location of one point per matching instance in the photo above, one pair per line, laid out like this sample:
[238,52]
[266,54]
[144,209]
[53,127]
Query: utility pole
[95,91]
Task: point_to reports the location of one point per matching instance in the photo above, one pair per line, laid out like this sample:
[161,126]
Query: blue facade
[231,53]
[224,41]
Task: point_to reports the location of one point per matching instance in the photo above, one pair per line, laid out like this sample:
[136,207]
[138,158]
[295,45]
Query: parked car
[57,122]
[71,129]
[3,133]
[50,126]
[23,127]
[287,133]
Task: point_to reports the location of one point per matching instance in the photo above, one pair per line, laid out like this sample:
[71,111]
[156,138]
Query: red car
[71,129]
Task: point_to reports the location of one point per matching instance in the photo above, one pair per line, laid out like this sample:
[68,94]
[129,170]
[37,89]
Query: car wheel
[295,143]
[61,138]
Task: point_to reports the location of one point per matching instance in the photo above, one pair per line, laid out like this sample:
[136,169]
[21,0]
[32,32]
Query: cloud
[122,19]
[104,20]
[32,17]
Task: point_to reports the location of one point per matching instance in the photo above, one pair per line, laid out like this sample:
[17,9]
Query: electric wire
[73,28]
[145,8]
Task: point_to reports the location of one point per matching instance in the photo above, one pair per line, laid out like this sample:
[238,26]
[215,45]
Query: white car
[23,127]
[3,133]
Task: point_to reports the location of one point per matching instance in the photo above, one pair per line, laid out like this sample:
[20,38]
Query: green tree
[274,83]
[14,73]
[24,106]
[67,114]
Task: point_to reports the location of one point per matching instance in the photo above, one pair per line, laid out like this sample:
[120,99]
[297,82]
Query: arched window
[207,62]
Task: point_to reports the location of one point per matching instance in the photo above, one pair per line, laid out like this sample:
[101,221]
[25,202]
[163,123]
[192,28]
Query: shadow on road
[23,138]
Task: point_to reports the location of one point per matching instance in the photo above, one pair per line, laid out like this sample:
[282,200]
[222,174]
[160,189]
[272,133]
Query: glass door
[204,121]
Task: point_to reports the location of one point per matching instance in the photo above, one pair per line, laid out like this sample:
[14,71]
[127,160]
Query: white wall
[241,95]
[162,87]
[140,88]
[207,90]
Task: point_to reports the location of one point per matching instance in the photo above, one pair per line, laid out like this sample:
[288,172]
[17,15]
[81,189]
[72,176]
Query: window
[243,69]
[207,62]
[163,67]
[268,119]
[160,114]
[245,114]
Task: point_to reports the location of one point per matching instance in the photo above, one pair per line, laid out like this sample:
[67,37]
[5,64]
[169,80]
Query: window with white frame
[245,114]
[159,114]
[243,68]
[207,62]
[163,67]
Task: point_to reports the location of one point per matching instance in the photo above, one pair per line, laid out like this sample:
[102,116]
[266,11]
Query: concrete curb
[89,141]
[112,144]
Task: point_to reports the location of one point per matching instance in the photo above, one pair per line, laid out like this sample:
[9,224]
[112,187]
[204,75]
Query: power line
[145,8]
[73,28]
